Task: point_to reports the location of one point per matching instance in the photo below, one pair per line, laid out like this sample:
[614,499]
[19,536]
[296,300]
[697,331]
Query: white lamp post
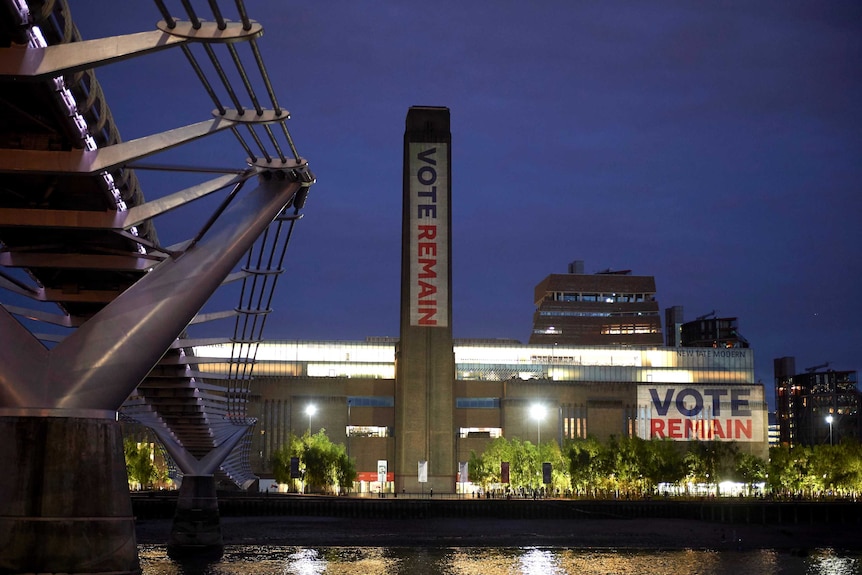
[310,410]
[537,412]
[829,420]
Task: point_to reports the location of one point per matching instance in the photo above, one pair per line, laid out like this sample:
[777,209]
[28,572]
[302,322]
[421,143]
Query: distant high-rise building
[606,308]
[673,320]
[816,407]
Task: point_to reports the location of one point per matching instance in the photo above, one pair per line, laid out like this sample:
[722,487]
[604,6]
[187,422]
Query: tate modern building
[409,408]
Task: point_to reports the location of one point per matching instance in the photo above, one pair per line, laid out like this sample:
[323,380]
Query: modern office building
[819,406]
[606,308]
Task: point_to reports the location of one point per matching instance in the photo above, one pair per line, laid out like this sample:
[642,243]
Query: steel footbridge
[97,314]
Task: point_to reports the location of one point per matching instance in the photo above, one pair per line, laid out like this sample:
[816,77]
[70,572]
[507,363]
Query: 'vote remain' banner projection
[701,412]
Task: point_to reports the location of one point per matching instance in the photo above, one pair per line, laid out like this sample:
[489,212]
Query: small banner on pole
[382,467]
[294,468]
[546,473]
[504,472]
[462,471]
[423,472]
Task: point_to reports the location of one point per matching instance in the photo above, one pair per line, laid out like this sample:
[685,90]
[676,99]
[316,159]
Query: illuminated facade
[420,403]
[607,308]
[819,406]
[646,391]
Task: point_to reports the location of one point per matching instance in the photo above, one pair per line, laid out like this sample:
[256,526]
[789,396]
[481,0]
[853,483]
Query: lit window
[367,431]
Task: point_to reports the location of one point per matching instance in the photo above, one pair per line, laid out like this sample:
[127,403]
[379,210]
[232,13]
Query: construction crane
[705,316]
[817,367]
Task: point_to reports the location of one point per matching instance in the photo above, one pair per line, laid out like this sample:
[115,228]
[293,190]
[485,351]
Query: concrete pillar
[64,496]
[196,530]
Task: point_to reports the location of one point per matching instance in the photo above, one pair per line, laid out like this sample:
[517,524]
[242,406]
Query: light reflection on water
[273,560]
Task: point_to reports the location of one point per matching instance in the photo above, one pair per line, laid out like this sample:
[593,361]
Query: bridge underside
[100,316]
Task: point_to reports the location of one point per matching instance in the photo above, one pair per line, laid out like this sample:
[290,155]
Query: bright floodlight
[537,411]
[311,410]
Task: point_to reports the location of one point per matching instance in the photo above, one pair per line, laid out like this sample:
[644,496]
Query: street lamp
[310,410]
[829,420]
[537,412]
[348,429]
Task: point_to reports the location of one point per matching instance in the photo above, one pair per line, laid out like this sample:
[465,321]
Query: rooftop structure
[706,330]
[607,308]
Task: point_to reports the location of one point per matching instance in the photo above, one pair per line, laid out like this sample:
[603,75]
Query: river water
[274,560]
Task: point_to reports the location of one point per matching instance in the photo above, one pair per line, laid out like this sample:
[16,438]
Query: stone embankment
[309,521]
[730,511]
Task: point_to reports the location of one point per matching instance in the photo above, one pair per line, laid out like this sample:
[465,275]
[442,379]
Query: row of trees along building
[634,467]
[620,467]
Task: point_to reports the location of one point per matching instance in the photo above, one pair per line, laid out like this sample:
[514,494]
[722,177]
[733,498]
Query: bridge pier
[196,530]
[65,496]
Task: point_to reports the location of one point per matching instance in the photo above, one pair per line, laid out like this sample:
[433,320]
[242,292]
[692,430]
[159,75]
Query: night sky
[714,145]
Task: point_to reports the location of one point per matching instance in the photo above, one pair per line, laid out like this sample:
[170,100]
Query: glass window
[480,432]
[477,403]
[371,401]
[367,431]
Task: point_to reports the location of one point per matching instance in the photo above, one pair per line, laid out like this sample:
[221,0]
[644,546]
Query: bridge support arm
[95,161]
[105,358]
[209,464]
[99,365]
[33,64]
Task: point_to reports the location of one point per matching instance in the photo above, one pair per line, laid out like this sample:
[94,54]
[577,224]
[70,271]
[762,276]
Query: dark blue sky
[716,146]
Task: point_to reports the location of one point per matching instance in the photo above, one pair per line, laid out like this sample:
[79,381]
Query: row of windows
[585,373]
[571,313]
[629,329]
[477,403]
[494,403]
[371,401]
[602,297]
[616,329]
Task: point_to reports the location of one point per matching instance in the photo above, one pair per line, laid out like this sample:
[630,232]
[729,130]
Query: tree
[848,475]
[625,457]
[750,470]
[345,472]
[139,463]
[323,464]
[777,469]
[525,464]
[587,465]
[663,462]
[712,462]
[280,462]
[487,466]
[481,471]
[526,469]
